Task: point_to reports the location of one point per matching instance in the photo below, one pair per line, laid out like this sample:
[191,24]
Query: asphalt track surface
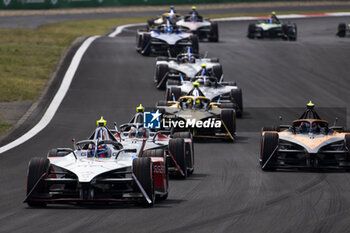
[228,192]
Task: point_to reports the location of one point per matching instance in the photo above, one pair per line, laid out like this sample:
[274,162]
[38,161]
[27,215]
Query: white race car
[185,66]
[178,148]
[99,169]
[166,40]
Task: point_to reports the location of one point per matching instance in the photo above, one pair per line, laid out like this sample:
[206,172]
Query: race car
[172,16]
[186,65]
[178,148]
[97,170]
[166,40]
[203,28]
[343,28]
[198,116]
[272,28]
[308,143]
[226,93]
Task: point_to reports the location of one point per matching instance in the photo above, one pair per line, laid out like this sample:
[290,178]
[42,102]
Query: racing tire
[347,142]
[173,92]
[236,97]
[251,31]
[189,149]
[268,143]
[178,151]
[217,70]
[145,47]
[214,33]
[228,117]
[195,43]
[143,170]
[292,32]
[161,71]
[341,30]
[36,168]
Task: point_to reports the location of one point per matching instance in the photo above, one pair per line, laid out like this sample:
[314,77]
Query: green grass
[28,57]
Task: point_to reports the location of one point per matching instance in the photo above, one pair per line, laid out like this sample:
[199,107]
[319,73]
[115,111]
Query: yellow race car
[308,143]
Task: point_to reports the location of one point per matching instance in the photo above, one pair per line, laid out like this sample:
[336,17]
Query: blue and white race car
[166,40]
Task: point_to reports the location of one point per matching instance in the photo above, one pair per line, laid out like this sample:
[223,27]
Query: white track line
[55,103]
[50,112]
[119,29]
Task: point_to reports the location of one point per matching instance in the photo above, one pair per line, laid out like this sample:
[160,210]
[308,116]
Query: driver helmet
[142,133]
[132,132]
[140,108]
[168,28]
[304,126]
[204,67]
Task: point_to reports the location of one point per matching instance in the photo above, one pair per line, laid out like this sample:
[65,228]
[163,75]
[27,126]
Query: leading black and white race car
[226,93]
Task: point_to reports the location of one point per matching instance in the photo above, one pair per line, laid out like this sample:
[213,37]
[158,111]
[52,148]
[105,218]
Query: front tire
[38,169]
[160,73]
[173,93]
[143,170]
[228,117]
[236,97]
[214,33]
[195,43]
[341,30]
[251,31]
[268,143]
[177,149]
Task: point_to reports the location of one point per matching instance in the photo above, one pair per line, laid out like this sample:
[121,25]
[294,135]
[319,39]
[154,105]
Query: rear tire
[341,30]
[217,70]
[173,92]
[236,97]
[251,31]
[177,149]
[143,170]
[161,71]
[228,116]
[214,34]
[146,48]
[189,150]
[36,168]
[195,43]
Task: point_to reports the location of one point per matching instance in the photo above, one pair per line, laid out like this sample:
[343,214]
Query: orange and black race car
[308,143]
